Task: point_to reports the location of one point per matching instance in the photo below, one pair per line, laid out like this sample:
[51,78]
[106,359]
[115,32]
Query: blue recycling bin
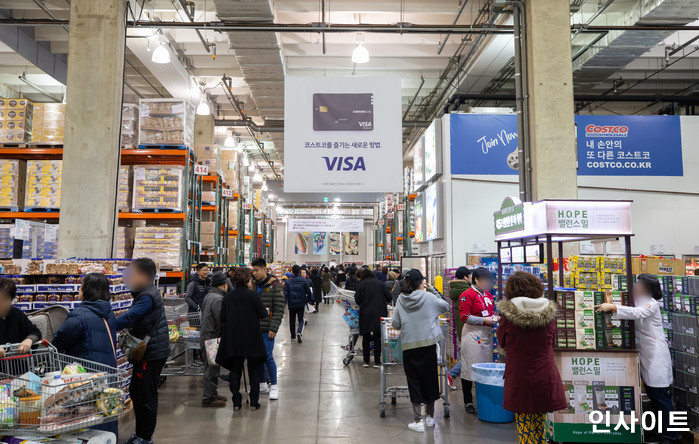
[490,392]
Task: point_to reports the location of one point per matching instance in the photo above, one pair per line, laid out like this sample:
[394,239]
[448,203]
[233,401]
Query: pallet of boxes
[15,122]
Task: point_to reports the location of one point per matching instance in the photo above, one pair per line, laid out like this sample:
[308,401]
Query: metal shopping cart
[185,340]
[46,393]
[351,318]
[392,357]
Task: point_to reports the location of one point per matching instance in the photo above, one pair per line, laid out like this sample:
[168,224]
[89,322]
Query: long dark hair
[651,285]
[96,287]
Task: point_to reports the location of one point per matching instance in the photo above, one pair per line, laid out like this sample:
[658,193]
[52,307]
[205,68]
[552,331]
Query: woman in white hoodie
[417,317]
[656,364]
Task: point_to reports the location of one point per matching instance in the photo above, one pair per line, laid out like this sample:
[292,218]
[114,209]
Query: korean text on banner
[325,225]
[342,134]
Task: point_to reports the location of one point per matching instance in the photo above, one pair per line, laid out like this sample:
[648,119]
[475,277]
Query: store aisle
[320,401]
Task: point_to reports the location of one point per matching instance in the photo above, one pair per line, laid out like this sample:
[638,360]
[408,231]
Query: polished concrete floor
[320,401]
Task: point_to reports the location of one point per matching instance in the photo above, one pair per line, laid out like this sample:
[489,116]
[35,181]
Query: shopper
[211,329]
[297,293]
[656,364]
[417,317]
[317,284]
[15,326]
[371,297]
[341,276]
[476,310]
[272,295]
[456,289]
[393,286]
[527,329]
[198,288]
[241,336]
[382,274]
[89,327]
[145,318]
[351,282]
[326,276]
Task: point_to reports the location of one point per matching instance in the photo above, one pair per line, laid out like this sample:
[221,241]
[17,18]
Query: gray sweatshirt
[417,317]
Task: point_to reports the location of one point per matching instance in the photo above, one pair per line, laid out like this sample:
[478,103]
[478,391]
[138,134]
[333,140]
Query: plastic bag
[489,373]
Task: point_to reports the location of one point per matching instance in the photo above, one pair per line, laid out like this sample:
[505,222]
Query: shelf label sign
[201,170]
[227,192]
[390,215]
[258,214]
[400,207]
[247,206]
[510,217]
[23,230]
[381,222]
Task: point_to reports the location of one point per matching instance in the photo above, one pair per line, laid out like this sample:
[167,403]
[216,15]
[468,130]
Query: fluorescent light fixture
[360,54]
[161,54]
[257,177]
[230,141]
[337,199]
[203,108]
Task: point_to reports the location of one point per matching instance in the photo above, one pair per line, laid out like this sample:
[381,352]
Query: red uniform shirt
[473,302]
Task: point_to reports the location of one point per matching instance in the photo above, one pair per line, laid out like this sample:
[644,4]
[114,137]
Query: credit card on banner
[343,112]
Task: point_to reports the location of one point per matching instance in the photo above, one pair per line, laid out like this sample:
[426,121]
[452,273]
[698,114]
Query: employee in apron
[477,311]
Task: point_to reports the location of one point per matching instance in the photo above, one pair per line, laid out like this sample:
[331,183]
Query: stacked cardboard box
[129,126]
[157,187]
[229,168]
[166,122]
[162,244]
[595,272]
[124,189]
[208,197]
[125,242]
[15,120]
[45,238]
[208,155]
[208,237]
[49,122]
[12,173]
[6,241]
[233,215]
[43,184]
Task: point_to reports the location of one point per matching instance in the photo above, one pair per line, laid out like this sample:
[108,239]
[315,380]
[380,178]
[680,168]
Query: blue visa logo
[344,163]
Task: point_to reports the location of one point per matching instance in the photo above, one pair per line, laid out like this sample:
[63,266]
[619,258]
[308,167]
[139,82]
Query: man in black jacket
[371,296]
[145,319]
[198,288]
[297,292]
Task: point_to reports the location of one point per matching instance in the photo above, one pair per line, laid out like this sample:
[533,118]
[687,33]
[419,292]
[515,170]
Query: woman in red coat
[533,386]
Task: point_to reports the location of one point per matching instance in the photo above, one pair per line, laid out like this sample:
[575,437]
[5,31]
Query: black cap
[462,272]
[415,275]
[218,278]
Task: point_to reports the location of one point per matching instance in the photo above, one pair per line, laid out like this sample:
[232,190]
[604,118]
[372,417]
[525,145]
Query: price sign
[201,170]
[227,192]
[400,207]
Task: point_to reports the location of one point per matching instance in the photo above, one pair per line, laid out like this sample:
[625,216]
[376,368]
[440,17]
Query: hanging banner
[346,130]
[629,146]
[483,143]
[301,225]
[320,246]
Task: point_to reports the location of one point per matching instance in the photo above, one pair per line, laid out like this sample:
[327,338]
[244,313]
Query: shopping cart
[351,318]
[45,393]
[184,329]
[392,357]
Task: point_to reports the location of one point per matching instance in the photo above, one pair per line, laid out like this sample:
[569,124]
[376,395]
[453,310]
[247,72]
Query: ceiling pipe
[412,101]
[40,89]
[683,100]
[189,13]
[456,19]
[593,17]
[42,5]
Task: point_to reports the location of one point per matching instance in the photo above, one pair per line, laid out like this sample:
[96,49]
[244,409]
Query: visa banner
[607,145]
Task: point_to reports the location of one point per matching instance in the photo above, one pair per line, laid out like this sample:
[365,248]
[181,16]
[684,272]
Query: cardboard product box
[12,174]
[124,189]
[206,151]
[208,196]
[43,184]
[16,116]
[129,125]
[166,122]
[585,318]
[14,136]
[585,338]
[211,164]
[233,215]
[207,240]
[125,242]
[49,122]
[162,244]
[584,300]
[208,227]
[158,187]
[658,266]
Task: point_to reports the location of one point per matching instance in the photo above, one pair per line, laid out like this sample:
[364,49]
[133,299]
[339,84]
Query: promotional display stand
[595,379]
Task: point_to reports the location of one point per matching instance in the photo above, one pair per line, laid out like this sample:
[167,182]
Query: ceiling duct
[259,56]
[619,48]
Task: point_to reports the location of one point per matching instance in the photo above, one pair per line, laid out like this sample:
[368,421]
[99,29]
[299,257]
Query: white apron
[476,347]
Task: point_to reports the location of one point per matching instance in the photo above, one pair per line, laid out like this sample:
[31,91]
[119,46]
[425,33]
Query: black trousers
[254,371]
[144,396]
[294,315]
[466,387]
[366,346]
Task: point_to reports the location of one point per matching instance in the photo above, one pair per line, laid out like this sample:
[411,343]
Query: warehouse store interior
[351,205]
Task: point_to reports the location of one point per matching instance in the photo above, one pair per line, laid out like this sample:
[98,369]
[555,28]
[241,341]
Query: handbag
[135,348]
[211,346]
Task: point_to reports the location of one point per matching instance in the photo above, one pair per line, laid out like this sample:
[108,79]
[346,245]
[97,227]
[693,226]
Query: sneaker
[365,365]
[215,403]
[299,338]
[450,380]
[417,426]
[429,421]
[254,407]
[264,388]
[274,392]
[139,440]
[377,366]
[470,408]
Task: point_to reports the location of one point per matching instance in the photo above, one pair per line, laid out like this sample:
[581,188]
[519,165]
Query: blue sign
[483,144]
[629,146]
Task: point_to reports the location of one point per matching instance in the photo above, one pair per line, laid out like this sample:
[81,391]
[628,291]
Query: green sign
[510,217]
[576,218]
[566,432]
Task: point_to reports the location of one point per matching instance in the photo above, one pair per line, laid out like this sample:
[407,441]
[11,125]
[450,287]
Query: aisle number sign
[227,192]
[400,207]
[247,206]
[201,170]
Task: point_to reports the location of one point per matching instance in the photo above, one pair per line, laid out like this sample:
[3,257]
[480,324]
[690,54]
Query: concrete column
[204,130]
[93,120]
[551,109]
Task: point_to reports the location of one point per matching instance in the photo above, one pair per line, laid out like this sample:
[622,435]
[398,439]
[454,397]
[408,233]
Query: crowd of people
[242,308]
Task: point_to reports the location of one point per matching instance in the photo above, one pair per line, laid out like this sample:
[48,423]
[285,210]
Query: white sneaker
[274,392]
[417,426]
[429,421]
[264,388]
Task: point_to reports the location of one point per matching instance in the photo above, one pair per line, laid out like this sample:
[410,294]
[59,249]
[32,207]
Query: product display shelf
[219,253]
[53,153]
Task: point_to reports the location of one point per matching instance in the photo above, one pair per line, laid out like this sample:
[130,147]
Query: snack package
[73,369]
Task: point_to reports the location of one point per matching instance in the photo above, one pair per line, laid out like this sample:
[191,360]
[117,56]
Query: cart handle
[12,348]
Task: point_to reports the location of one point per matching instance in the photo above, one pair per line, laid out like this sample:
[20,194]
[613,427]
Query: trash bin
[490,392]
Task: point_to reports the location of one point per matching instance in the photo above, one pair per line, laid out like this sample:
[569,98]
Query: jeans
[661,401]
[294,314]
[210,381]
[456,371]
[366,346]
[269,365]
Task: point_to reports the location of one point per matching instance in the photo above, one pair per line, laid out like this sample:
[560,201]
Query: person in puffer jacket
[297,292]
[89,331]
[145,318]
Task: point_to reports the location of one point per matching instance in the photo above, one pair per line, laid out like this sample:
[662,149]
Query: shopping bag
[310,308]
[211,346]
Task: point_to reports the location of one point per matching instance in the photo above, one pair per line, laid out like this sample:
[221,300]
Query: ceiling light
[257,177]
[272,196]
[203,108]
[161,54]
[230,141]
[264,186]
[337,199]
[360,54]
[246,162]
